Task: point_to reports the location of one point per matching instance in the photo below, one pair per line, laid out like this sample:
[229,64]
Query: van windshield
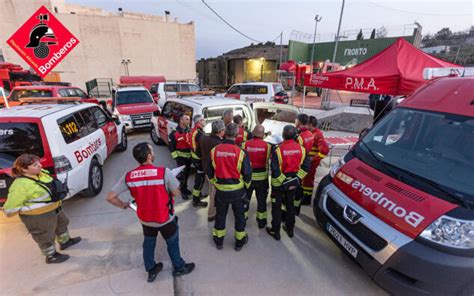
[133,97]
[17,94]
[17,138]
[432,150]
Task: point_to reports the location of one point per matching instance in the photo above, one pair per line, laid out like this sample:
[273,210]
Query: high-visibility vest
[306,139]
[320,146]
[259,152]
[182,138]
[242,136]
[226,160]
[147,186]
[196,134]
[289,156]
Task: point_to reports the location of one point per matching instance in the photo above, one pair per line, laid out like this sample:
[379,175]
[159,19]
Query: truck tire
[154,137]
[95,179]
[124,143]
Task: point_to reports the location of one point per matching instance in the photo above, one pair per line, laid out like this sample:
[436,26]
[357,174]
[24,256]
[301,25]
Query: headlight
[451,232]
[335,168]
[125,118]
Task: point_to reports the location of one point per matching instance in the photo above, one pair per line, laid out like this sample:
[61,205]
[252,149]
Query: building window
[2,59]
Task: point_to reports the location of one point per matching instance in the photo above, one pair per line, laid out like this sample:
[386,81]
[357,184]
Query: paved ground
[108,261]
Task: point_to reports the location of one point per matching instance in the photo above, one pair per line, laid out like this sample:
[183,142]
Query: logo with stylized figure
[41,37]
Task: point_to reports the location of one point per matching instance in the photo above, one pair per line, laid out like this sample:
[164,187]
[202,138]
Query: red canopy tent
[397,70]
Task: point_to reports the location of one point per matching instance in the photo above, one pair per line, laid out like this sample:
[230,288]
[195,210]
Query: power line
[234,28]
[416,12]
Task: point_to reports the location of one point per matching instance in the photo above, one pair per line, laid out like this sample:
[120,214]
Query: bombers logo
[224,154]
[42,41]
[88,151]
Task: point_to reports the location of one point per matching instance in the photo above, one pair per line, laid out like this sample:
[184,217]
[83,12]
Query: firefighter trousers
[236,200]
[305,192]
[285,198]
[198,180]
[261,191]
[184,175]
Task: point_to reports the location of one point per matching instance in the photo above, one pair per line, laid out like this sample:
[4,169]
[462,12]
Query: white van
[272,116]
[253,92]
[167,90]
[72,140]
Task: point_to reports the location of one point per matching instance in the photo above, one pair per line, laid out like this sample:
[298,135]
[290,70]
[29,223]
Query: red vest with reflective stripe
[183,140]
[306,139]
[320,145]
[194,132]
[241,136]
[291,154]
[147,186]
[258,151]
[225,159]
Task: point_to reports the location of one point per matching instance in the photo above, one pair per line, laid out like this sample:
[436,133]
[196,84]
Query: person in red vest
[153,189]
[319,151]
[259,153]
[231,173]
[196,134]
[306,139]
[289,165]
[243,135]
[180,148]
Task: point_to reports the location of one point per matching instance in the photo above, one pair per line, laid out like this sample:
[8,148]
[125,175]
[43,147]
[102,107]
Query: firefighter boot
[273,233]
[56,258]
[241,242]
[288,231]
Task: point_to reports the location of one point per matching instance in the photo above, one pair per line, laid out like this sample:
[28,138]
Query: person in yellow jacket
[43,218]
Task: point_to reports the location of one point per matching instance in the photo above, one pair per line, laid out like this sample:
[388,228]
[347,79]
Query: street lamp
[317,19]
[337,36]
[125,63]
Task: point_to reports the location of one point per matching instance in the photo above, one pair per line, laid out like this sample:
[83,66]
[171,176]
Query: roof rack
[195,93]
[430,73]
[50,100]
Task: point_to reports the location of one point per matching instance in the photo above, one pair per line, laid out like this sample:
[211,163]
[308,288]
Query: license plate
[254,100]
[3,184]
[142,121]
[342,241]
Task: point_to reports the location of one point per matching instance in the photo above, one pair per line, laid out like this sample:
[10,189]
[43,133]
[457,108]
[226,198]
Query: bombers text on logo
[88,151]
[255,149]
[57,56]
[225,154]
[291,152]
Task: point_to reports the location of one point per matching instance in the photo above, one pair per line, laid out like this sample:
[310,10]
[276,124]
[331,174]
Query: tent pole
[304,96]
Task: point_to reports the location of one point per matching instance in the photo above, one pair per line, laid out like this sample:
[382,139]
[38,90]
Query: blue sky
[263,20]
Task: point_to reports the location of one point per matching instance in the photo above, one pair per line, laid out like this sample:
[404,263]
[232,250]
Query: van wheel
[124,143]
[96,179]
[154,137]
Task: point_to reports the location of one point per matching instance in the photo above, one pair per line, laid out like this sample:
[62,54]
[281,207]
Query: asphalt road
[109,259]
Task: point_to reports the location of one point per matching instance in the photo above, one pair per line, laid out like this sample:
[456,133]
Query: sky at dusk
[264,20]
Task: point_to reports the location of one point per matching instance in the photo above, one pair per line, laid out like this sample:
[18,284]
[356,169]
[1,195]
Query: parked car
[166,90]
[273,116]
[134,106]
[401,201]
[72,140]
[47,91]
[258,92]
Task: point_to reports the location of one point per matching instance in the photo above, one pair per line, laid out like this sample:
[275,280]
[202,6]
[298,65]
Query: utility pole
[281,48]
[317,19]
[125,63]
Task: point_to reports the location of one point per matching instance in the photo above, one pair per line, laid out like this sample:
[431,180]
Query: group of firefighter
[238,162]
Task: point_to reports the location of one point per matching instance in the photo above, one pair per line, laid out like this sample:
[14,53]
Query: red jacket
[320,147]
[288,160]
[259,153]
[242,136]
[306,139]
[147,186]
[180,143]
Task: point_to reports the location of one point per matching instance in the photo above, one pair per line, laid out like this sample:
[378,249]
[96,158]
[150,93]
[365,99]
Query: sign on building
[43,41]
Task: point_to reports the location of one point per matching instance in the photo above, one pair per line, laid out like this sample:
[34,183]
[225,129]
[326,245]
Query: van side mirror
[156,113]
[116,119]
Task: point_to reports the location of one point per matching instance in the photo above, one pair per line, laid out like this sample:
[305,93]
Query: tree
[444,34]
[381,32]
[372,35]
[360,36]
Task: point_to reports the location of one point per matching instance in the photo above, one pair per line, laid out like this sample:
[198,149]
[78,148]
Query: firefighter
[243,135]
[228,116]
[259,153]
[196,134]
[306,139]
[319,150]
[153,189]
[231,173]
[180,147]
[289,165]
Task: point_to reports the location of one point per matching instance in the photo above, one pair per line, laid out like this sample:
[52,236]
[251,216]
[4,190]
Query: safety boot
[240,243]
[56,258]
[273,233]
[71,242]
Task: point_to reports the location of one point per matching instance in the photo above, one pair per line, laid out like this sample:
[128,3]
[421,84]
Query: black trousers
[184,175]
[261,191]
[286,198]
[198,180]
[224,199]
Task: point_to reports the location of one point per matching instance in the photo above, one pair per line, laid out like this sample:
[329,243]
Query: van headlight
[125,118]
[451,232]
[335,168]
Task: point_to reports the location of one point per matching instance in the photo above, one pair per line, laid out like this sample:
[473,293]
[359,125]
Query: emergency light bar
[430,73]
[50,100]
[195,93]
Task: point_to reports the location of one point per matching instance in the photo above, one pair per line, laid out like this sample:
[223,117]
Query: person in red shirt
[319,150]
[180,148]
[259,153]
[243,135]
[305,139]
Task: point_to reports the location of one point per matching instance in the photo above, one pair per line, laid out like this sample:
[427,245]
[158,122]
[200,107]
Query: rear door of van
[255,93]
